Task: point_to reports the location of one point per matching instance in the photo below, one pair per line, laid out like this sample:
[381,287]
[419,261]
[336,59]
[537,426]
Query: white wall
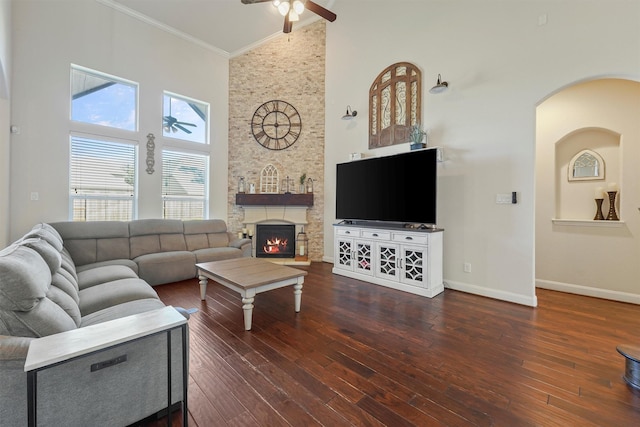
[5,80]
[596,259]
[501,59]
[53,34]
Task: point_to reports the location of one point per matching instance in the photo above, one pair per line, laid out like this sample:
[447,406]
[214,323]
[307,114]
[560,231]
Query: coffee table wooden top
[249,273]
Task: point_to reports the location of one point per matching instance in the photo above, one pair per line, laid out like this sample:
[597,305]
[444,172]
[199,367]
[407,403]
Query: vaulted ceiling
[225,25]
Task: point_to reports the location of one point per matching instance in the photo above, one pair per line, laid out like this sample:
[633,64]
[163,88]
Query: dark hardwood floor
[365,355]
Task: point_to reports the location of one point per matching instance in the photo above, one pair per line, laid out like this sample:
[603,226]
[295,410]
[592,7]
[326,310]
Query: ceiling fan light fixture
[298,6]
[440,86]
[293,16]
[284,7]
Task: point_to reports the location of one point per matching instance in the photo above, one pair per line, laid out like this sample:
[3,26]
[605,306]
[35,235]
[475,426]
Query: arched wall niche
[575,198]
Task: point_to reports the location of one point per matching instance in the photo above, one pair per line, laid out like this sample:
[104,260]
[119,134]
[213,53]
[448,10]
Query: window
[102,180]
[184,185]
[185,118]
[394,104]
[103,100]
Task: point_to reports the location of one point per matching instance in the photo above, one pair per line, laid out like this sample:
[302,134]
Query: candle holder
[599,216]
[612,216]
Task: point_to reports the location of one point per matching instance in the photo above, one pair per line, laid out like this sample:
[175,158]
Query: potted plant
[416,135]
[303,178]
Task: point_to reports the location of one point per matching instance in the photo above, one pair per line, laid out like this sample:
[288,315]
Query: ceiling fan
[291,9]
[171,124]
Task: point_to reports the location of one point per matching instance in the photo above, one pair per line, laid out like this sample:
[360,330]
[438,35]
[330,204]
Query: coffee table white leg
[297,295]
[203,287]
[247,306]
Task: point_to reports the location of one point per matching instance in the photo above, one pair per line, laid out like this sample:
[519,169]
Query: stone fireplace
[276,209]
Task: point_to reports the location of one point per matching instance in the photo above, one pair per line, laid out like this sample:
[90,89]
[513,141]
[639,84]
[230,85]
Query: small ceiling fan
[171,124]
[291,10]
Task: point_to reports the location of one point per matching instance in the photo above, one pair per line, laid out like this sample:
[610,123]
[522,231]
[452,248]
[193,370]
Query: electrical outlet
[467,267]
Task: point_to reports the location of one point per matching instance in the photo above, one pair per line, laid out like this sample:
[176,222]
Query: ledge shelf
[245,199]
[587,223]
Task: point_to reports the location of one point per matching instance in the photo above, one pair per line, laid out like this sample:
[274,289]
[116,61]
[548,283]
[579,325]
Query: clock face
[276,125]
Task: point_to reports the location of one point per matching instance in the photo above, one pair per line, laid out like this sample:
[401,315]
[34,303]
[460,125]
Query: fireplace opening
[275,240]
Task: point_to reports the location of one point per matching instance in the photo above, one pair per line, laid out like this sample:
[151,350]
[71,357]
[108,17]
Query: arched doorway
[574,253]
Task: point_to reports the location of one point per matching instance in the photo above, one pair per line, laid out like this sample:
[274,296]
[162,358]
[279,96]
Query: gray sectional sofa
[63,276]
[157,250]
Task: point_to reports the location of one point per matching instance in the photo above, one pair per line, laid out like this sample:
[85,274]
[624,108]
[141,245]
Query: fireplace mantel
[246,199]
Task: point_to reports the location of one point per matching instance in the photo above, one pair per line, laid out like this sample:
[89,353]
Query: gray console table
[55,350]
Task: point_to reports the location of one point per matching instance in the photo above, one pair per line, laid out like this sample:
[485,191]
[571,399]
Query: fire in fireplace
[275,240]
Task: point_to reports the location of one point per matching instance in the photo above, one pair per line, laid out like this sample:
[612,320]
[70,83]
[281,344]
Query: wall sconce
[440,86]
[350,114]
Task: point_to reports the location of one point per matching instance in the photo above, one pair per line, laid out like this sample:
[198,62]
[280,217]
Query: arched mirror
[586,165]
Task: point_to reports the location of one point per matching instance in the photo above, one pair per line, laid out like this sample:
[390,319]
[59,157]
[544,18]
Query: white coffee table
[251,276]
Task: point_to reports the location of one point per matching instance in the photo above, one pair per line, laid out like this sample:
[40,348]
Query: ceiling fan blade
[182,128]
[319,10]
[288,25]
[186,124]
[254,1]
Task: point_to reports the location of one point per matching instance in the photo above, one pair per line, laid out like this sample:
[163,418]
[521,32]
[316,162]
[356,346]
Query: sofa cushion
[143,227]
[108,294]
[24,278]
[166,267]
[172,242]
[64,282]
[45,318]
[218,240]
[67,263]
[83,251]
[48,253]
[125,262]
[149,236]
[66,302]
[216,254]
[196,241]
[142,245]
[204,226]
[47,232]
[94,241]
[95,276]
[121,310]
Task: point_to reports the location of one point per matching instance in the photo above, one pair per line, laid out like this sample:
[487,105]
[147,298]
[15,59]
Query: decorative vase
[612,216]
[599,216]
[416,145]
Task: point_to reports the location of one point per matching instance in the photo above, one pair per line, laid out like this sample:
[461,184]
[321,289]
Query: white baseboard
[477,290]
[492,293]
[587,291]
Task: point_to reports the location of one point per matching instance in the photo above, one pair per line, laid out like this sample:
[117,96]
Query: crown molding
[144,18]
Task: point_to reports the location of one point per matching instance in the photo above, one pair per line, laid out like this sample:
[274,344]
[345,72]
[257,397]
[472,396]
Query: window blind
[184,185]
[102,179]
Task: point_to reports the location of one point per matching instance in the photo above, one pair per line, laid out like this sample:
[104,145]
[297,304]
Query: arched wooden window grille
[269,179]
[394,104]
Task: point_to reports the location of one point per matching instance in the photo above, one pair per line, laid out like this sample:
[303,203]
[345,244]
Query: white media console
[409,260]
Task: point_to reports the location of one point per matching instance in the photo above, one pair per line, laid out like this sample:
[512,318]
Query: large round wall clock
[276,125]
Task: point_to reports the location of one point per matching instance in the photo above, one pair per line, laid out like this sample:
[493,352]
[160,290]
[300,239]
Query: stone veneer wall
[290,68]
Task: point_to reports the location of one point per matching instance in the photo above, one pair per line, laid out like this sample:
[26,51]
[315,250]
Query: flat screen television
[400,188]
